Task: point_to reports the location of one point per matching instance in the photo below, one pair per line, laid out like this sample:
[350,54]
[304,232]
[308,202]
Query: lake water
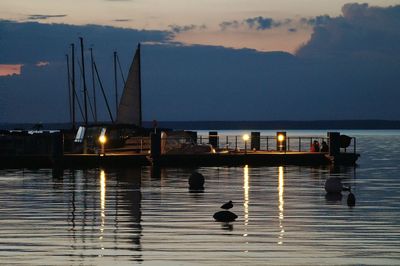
[148,216]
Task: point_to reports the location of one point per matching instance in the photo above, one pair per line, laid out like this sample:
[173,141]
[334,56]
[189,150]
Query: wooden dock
[47,151]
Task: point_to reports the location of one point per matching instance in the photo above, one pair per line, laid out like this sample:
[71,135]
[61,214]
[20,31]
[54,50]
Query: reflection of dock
[182,160]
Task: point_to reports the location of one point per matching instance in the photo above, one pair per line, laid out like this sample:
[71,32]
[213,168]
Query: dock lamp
[245,138]
[281,141]
[102,140]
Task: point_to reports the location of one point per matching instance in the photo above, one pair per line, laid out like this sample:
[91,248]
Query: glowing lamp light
[281,137]
[102,139]
[246,137]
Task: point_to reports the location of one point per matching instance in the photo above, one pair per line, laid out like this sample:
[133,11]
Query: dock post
[57,146]
[155,146]
[334,143]
[255,141]
[213,139]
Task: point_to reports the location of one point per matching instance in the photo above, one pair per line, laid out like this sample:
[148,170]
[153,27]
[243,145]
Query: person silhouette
[324,147]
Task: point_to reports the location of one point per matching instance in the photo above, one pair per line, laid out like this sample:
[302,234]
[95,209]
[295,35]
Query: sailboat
[130,106]
[128,124]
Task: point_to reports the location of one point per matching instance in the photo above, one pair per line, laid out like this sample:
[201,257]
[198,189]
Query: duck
[351,199]
[227,206]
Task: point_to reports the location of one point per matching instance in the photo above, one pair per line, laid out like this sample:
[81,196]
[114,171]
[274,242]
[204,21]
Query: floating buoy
[196,181]
[227,205]
[225,216]
[333,185]
[351,200]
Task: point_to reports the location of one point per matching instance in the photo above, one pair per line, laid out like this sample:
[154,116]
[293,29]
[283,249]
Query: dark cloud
[260,23]
[207,82]
[185,28]
[234,24]
[255,23]
[370,32]
[316,21]
[43,17]
[122,20]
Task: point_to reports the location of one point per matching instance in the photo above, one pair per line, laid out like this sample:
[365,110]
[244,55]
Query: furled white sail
[130,106]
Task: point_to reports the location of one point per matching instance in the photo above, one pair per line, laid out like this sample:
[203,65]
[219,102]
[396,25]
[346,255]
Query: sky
[192,21]
[209,59]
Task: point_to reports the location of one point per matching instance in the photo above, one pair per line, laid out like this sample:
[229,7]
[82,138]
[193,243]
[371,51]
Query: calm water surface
[148,216]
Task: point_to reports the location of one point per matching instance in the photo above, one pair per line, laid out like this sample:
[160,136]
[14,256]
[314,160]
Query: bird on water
[227,205]
[351,199]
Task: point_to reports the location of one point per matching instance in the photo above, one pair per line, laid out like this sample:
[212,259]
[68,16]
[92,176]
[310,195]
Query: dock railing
[269,143]
[236,143]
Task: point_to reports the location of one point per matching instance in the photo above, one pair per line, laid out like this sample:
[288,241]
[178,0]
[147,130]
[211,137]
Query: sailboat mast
[115,83]
[73,87]
[94,87]
[84,82]
[69,88]
[140,89]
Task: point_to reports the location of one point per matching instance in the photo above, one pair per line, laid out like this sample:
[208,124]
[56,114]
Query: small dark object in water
[225,216]
[227,205]
[333,185]
[196,181]
[351,200]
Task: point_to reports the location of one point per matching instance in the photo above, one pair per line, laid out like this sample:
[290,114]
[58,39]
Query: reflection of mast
[130,191]
[280,203]
[246,200]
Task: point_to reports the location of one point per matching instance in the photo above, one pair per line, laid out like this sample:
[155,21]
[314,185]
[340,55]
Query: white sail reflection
[102,204]
[246,197]
[280,203]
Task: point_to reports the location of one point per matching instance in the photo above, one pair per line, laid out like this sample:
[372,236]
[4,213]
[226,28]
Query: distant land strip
[232,125]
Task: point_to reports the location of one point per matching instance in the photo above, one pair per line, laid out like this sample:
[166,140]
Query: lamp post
[245,138]
[281,143]
[102,140]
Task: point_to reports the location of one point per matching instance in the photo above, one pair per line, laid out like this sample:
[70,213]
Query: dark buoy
[225,216]
[351,200]
[196,181]
[227,205]
[333,185]
[333,197]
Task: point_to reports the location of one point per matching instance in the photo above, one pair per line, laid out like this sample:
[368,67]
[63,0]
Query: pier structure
[48,149]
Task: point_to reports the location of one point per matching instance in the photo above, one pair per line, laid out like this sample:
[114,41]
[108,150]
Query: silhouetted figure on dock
[315,146]
[227,205]
[324,147]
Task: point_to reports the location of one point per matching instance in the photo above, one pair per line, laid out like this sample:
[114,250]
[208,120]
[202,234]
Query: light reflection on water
[148,216]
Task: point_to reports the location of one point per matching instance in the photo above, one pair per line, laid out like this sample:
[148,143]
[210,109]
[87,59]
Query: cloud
[362,31]
[234,24]
[255,23]
[42,63]
[316,21]
[43,17]
[185,28]
[260,23]
[122,20]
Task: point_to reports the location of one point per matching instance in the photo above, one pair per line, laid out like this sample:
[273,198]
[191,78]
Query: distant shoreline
[237,125]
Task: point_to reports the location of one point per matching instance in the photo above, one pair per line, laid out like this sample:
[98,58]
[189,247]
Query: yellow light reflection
[246,196]
[281,203]
[102,202]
